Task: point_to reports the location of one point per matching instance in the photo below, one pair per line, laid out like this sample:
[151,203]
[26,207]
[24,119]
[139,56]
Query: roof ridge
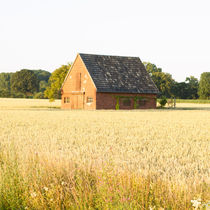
[124,56]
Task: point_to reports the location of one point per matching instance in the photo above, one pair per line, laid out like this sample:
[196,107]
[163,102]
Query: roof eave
[127,92]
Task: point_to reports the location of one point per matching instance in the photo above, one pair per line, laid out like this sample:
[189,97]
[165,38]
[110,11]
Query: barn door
[77,101]
[80,101]
[73,102]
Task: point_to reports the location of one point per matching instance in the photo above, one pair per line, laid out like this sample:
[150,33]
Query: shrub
[39,95]
[163,101]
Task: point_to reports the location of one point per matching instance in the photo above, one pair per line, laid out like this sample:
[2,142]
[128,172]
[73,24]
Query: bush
[163,101]
[39,95]
[18,95]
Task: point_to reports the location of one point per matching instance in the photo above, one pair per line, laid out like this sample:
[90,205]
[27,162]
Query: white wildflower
[45,189]
[206,205]
[63,183]
[196,203]
[33,194]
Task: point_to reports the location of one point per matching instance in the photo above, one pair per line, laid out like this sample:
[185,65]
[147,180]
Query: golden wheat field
[145,159]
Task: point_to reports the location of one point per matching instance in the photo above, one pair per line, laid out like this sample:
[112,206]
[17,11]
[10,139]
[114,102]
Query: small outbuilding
[108,82]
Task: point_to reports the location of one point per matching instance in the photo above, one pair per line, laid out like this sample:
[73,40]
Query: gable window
[89,100]
[79,82]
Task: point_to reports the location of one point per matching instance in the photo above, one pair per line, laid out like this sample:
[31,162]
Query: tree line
[28,83]
[191,88]
[24,83]
[43,84]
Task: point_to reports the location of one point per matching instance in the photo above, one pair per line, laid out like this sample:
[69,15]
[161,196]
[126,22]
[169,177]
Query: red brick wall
[77,81]
[108,101]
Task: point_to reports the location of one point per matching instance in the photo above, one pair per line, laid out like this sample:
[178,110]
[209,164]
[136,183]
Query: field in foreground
[149,159]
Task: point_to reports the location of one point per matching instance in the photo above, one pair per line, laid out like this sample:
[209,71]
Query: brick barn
[108,82]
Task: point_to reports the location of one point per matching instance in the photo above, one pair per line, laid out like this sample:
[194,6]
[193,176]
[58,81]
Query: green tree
[164,83]
[204,86]
[42,75]
[180,90]
[192,87]
[187,89]
[24,82]
[5,84]
[55,82]
[42,86]
[151,68]
[162,80]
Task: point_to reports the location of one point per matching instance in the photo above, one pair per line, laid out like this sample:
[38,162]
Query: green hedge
[196,101]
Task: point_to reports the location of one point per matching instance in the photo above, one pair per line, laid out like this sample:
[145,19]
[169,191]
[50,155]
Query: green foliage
[10,83]
[117,103]
[194,101]
[24,82]
[12,188]
[5,84]
[18,95]
[42,75]
[180,90]
[135,105]
[193,85]
[163,101]
[151,68]
[55,82]
[204,86]
[187,89]
[39,95]
[164,83]
[43,85]
[169,87]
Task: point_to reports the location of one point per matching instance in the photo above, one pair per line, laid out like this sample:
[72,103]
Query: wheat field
[145,159]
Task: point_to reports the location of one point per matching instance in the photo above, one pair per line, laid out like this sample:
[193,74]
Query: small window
[126,102]
[66,100]
[142,102]
[89,100]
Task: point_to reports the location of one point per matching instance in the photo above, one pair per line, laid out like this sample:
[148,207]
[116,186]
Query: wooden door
[80,101]
[73,102]
[77,102]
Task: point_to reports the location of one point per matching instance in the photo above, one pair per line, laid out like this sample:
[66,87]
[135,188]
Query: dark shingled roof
[118,74]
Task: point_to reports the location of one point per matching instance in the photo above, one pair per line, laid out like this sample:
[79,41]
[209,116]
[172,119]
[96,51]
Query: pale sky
[44,34]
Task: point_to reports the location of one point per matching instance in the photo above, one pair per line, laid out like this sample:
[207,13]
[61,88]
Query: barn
[108,82]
